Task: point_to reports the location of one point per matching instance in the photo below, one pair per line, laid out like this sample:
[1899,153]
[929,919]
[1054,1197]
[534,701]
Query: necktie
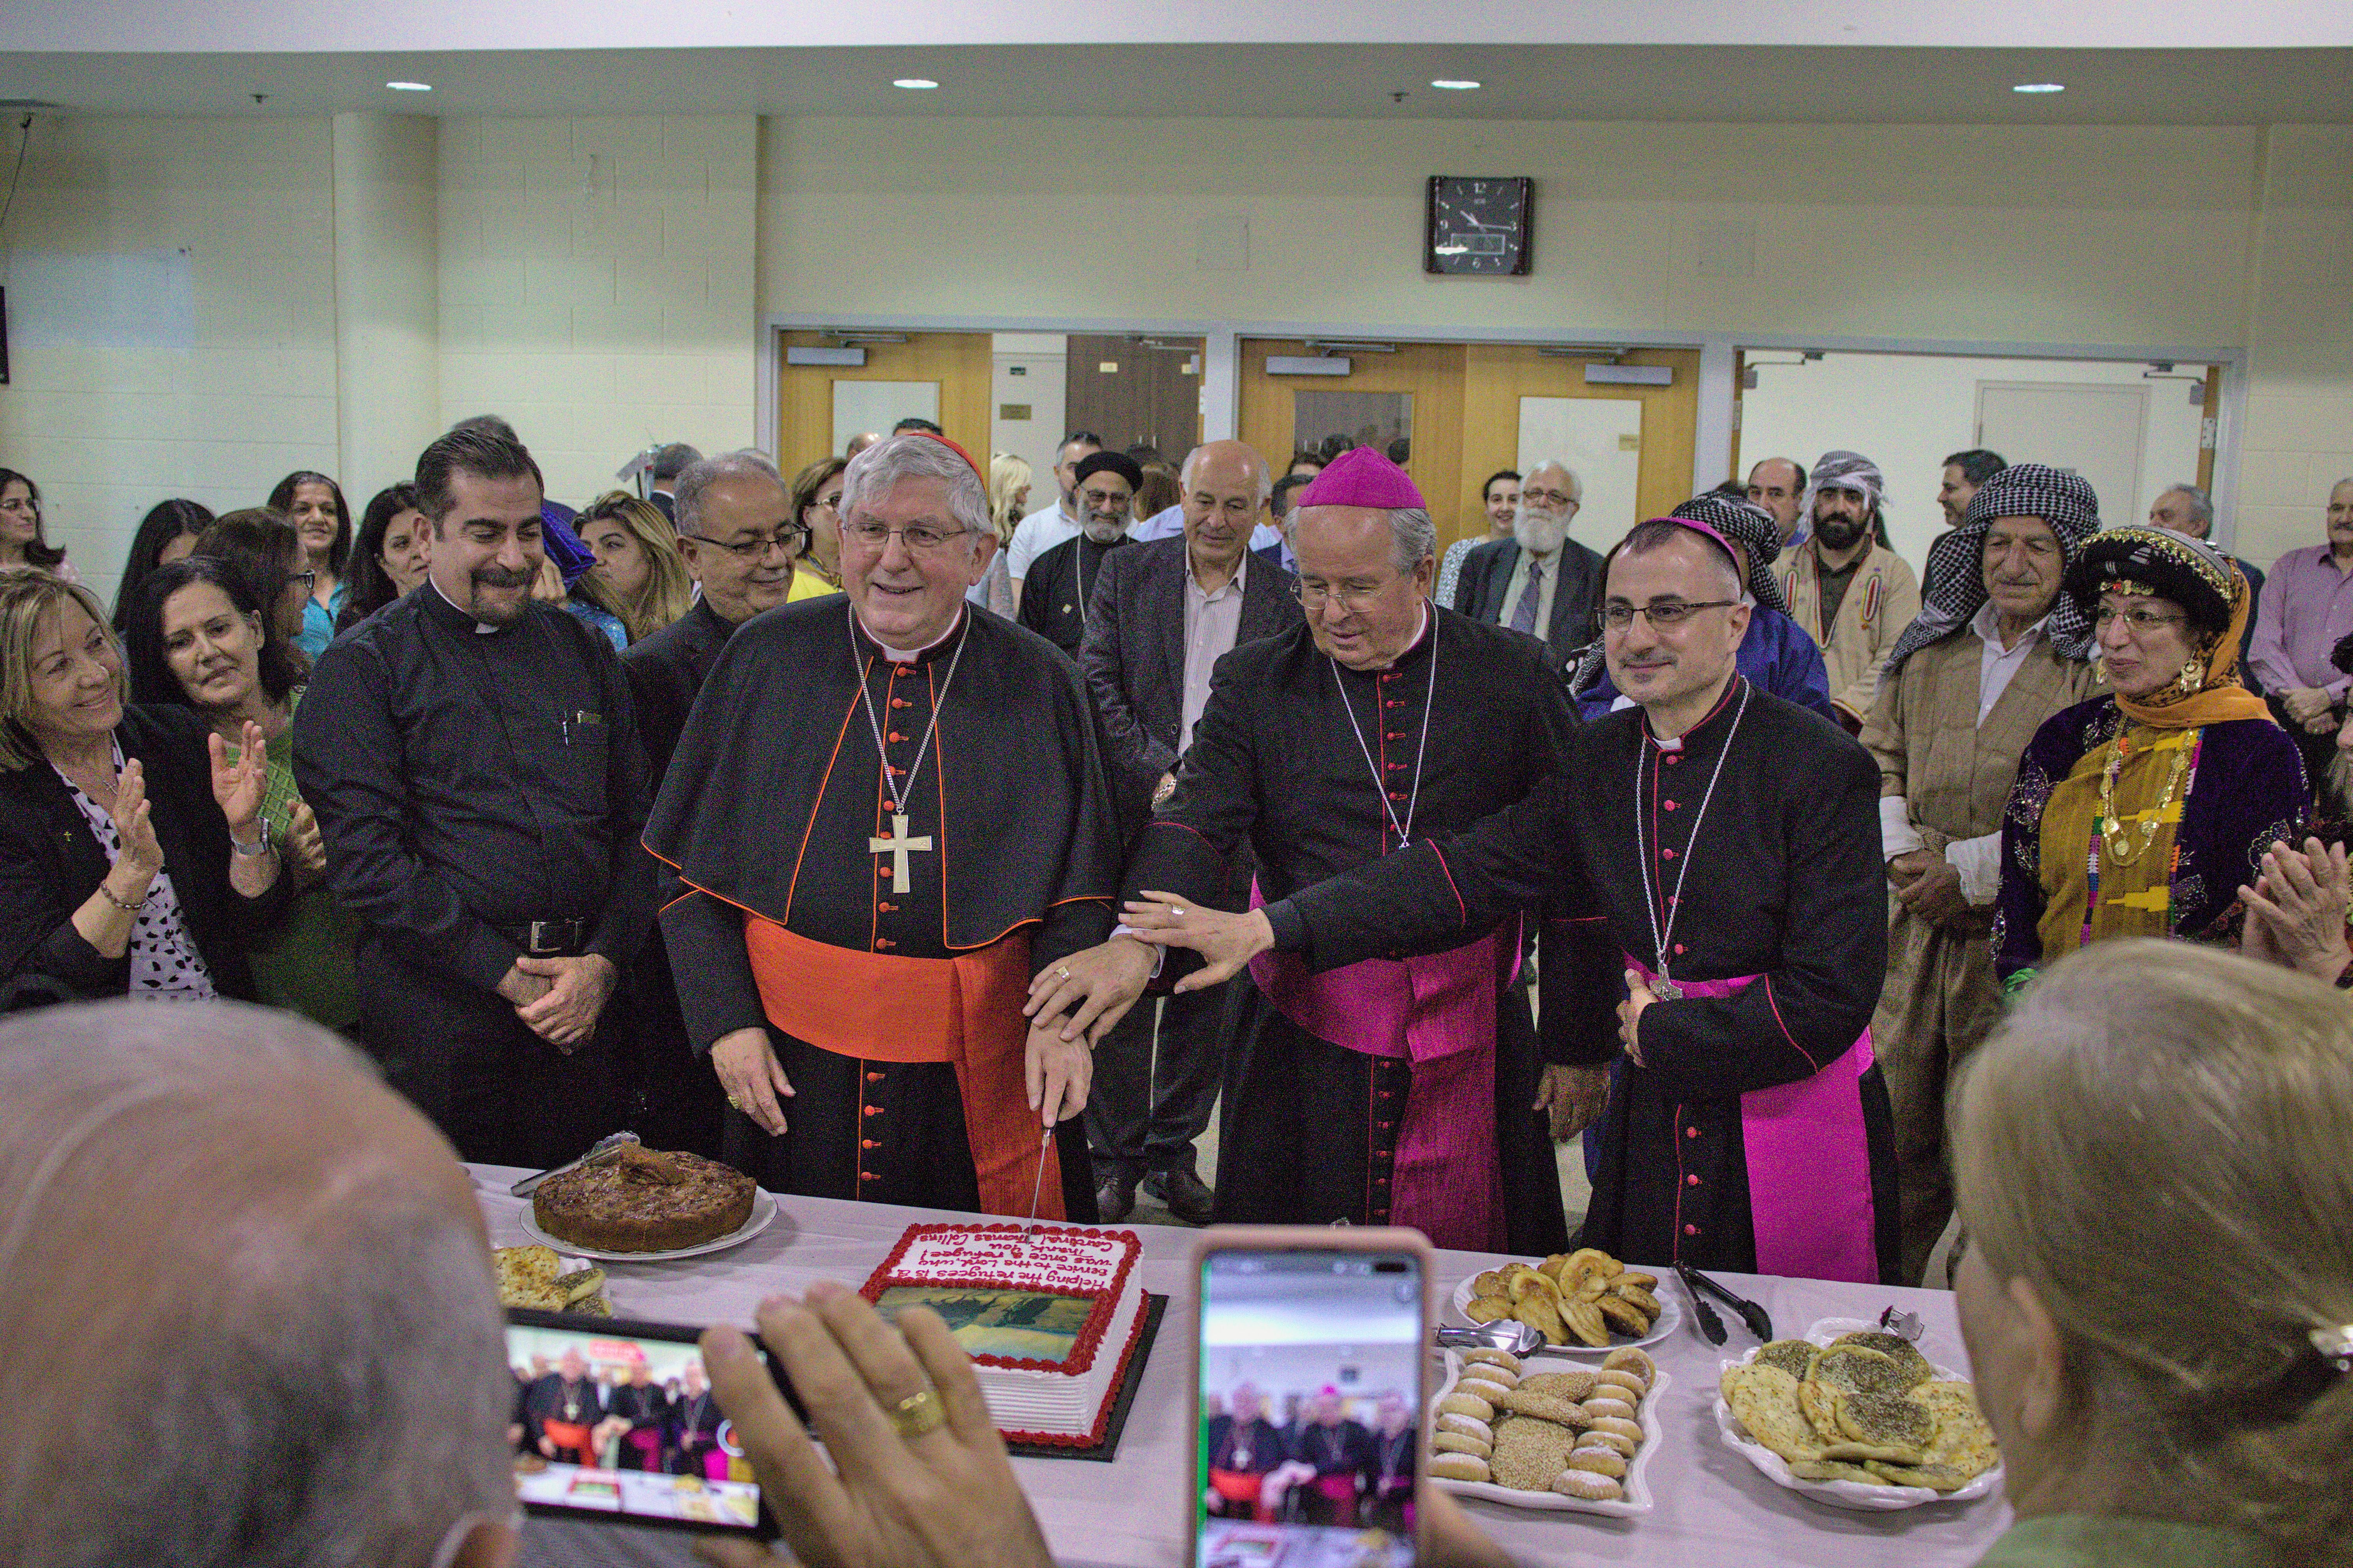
[1523,614]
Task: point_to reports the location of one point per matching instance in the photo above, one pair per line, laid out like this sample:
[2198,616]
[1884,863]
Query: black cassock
[1786,883]
[772,797]
[1309,1130]
[666,673]
[1055,595]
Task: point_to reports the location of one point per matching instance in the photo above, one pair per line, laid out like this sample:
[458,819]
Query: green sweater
[2116,1541]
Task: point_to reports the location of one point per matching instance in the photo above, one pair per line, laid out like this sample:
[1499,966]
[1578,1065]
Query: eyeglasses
[1665,614]
[2136,620]
[1103,500]
[310,579]
[1312,594]
[920,538]
[789,540]
[1550,498]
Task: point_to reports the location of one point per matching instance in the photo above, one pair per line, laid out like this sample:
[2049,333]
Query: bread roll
[1461,1443]
[1458,1467]
[1589,1487]
[1462,1404]
[1633,1359]
[1623,1426]
[1599,1458]
[1599,1406]
[1488,1356]
[1633,1382]
[1468,1426]
[1618,1440]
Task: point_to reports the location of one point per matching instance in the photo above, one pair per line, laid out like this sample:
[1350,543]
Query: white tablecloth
[1713,1507]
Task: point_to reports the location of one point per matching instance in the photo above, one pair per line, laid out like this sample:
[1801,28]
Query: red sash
[873,1007]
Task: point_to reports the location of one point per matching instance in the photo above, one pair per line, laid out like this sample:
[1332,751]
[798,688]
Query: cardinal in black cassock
[1391,1093]
[1753,1133]
[880,847]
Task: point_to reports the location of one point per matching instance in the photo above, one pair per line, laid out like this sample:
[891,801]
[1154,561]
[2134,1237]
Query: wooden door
[1133,391]
[959,364]
[1430,374]
[1497,375]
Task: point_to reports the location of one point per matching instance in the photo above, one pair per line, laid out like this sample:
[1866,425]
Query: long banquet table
[1712,1506]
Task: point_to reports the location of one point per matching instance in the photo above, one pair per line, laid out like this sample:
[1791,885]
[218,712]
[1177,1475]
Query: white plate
[1858,1495]
[1670,1315]
[764,1213]
[1636,1483]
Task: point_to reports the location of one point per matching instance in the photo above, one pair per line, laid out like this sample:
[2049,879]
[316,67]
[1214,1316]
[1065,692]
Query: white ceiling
[1658,82]
[326,26]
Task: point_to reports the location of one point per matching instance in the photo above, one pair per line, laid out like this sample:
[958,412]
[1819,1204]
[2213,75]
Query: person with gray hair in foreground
[866,783]
[1381,721]
[2158,1297]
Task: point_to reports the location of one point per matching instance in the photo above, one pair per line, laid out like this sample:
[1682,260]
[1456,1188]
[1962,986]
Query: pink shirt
[2307,606]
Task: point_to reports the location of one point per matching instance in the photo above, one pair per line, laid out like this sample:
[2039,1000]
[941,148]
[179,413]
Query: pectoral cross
[896,846]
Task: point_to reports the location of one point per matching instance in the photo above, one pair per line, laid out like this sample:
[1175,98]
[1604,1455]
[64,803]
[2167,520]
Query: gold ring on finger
[1179,913]
[733,1103]
[918,1414]
[1063,974]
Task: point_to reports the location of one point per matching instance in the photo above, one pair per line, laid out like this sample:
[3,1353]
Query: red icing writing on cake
[1078,1263]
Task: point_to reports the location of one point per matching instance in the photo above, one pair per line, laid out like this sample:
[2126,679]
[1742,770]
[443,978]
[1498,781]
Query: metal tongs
[1503,1334]
[1759,1322]
[596,1150]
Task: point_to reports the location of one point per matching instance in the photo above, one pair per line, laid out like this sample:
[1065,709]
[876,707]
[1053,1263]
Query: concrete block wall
[597,285]
[2299,433]
[109,421]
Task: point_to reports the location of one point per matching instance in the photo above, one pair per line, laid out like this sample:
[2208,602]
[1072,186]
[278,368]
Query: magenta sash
[1438,1011]
[1809,1161]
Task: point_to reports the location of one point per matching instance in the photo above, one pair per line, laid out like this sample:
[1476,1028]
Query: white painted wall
[1029,371]
[388,290]
[1908,412]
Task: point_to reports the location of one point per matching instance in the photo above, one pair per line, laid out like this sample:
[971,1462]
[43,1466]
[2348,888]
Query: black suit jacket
[1486,576]
[1134,655]
[50,863]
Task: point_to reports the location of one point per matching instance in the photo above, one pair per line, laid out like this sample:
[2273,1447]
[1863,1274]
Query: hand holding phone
[918,1477]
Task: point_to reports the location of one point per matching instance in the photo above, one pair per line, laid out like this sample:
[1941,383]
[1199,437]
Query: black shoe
[1114,1201]
[1186,1194]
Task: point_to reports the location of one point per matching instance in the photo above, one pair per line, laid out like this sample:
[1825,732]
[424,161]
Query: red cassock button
[1690,1132]
[1393,735]
[897,739]
[1664,854]
[906,669]
[1691,1181]
[884,942]
[1691,1230]
[1396,794]
[874,1078]
[873,1110]
[901,702]
[890,908]
[1673,758]
[1679,946]
[873,1144]
[1667,804]
[870,1175]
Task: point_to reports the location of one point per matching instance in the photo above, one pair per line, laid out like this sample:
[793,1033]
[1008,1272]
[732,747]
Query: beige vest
[1880,602]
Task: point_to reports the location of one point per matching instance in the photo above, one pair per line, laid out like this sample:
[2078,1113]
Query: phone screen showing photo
[1311,1408]
[619,1424]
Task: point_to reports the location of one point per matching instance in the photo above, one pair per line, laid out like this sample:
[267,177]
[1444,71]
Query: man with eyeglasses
[1539,580]
[735,525]
[1165,615]
[1994,652]
[1718,851]
[1062,580]
[888,811]
[1402,1090]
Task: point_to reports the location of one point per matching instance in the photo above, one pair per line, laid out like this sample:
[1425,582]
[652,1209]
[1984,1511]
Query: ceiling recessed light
[2040,86]
[1454,86]
[916,83]
[410,86]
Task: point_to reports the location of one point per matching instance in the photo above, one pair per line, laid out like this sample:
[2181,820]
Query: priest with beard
[1539,580]
[1396,1090]
[888,814]
[1749,1130]
[1054,596]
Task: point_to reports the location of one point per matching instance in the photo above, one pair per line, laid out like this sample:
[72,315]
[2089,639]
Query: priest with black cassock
[888,812]
[1393,1089]
[737,529]
[1727,843]
[1062,581]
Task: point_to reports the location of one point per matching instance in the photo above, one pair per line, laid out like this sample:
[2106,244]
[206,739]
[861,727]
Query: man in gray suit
[1161,616]
[1539,580]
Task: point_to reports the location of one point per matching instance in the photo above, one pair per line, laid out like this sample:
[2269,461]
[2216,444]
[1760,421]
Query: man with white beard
[1539,580]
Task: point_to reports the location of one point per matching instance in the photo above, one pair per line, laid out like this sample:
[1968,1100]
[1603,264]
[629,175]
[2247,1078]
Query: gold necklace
[2117,836]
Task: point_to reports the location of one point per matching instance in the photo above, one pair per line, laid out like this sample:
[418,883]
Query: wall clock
[1479,224]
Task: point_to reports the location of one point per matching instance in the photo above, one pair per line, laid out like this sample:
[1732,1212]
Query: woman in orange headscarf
[2142,813]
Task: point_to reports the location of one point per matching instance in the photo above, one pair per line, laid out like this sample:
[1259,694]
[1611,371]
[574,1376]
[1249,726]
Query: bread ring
[1598,1406]
[1483,1388]
[1462,1404]
[1588,1486]
[1462,1443]
[1459,1467]
[1468,1426]
[1483,1355]
[1624,1446]
[1600,1459]
[1635,1385]
[1624,1426]
[1488,1372]
[1633,1359]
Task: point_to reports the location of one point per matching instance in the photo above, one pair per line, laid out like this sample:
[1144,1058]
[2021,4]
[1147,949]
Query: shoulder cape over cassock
[1016,769]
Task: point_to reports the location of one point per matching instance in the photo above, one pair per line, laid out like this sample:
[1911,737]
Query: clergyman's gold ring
[1177,911]
[733,1103]
[1062,973]
[918,1414]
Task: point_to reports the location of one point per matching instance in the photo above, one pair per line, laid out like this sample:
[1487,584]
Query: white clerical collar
[481,629]
[1987,623]
[908,656]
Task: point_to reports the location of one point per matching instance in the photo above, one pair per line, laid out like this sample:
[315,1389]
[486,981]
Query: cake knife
[603,1146]
[1038,1186]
